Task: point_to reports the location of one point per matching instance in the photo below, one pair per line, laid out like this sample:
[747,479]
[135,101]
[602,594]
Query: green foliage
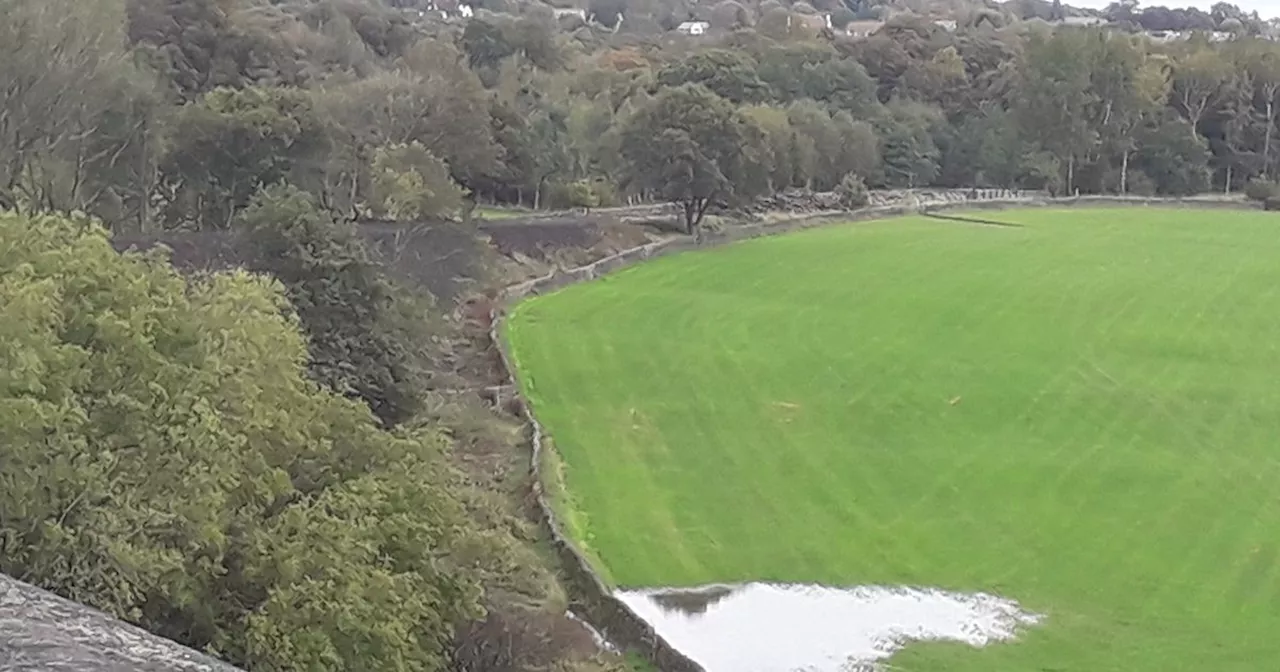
[168,460]
[1175,158]
[361,345]
[910,156]
[583,194]
[411,183]
[231,142]
[1260,189]
[852,191]
[729,74]
[686,147]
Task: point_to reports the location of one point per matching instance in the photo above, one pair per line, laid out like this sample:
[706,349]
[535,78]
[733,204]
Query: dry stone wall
[41,632]
[591,596]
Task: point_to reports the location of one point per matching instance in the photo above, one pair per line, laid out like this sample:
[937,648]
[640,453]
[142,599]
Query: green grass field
[1082,415]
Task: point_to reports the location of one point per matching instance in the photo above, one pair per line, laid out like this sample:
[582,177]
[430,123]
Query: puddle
[761,627]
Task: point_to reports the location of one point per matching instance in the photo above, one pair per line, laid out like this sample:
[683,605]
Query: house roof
[863,26]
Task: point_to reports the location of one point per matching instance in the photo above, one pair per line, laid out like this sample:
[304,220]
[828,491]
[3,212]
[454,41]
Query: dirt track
[447,259]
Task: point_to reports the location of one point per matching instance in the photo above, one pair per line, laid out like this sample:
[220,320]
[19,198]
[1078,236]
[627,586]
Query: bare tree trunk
[1071,174]
[1124,174]
[1266,146]
[1230,171]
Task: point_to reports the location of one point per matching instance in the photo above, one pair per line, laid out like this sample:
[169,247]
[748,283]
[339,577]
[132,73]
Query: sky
[1267,8]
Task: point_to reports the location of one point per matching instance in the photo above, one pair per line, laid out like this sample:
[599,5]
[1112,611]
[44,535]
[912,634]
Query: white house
[949,25]
[863,29]
[694,27]
[1083,21]
[562,12]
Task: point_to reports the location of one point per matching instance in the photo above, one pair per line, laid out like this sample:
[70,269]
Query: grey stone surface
[40,631]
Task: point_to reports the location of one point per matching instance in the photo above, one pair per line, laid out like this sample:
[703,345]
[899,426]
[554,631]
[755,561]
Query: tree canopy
[168,459]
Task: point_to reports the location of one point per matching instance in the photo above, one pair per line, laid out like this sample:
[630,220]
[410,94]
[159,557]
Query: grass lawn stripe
[1079,414]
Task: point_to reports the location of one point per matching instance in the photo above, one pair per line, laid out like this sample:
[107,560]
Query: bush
[1141,184]
[1272,204]
[581,194]
[1262,190]
[167,460]
[853,192]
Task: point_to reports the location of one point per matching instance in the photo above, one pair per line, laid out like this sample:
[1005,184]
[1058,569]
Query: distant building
[562,12]
[813,21]
[1082,22]
[693,27]
[862,29]
[949,25]
[1178,36]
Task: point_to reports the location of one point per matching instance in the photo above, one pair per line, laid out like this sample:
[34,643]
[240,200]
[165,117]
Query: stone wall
[591,596]
[40,631]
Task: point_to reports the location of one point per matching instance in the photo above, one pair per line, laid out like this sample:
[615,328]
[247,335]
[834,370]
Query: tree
[910,157]
[1131,89]
[1055,95]
[412,183]
[359,344]
[485,44]
[852,191]
[779,141]
[1198,78]
[167,460]
[730,15]
[229,143]
[75,116]
[607,12]
[685,146]
[1262,66]
[1177,160]
[729,74]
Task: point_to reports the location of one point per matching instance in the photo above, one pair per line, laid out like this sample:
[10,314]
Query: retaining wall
[592,598]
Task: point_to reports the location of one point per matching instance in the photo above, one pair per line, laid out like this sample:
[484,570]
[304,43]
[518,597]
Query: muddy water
[762,627]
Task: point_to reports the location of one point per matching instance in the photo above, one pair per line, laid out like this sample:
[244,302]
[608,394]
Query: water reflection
[693,601]
[762,627]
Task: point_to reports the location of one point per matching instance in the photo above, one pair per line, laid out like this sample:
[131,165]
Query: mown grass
[1082,414]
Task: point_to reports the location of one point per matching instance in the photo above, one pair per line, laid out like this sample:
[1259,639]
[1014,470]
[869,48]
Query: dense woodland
[251,462]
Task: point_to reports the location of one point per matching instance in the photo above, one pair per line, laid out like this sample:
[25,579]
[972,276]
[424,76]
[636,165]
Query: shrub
[1141,184]
[167,460]
[1262,190]
[853,192]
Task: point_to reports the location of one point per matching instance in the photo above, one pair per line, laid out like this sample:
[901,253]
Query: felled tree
[686,146]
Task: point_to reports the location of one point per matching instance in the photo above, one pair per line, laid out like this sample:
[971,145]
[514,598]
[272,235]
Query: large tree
[1055,96]
[686,146]
[230,143]
[77,122]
